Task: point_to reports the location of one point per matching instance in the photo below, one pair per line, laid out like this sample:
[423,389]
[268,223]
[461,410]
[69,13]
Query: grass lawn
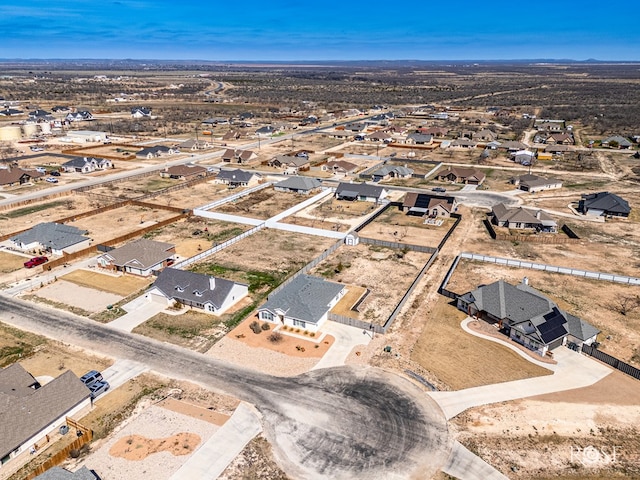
[462,360]
[11,263]
[123,285]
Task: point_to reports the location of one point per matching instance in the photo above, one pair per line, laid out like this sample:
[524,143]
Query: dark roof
[189,287]
[579,328]
[141,254]
[153,150]
[236,176]
[25,412]
[12,175]
[359,189]
[425,200]
[305,298]
[59,473]
[186,170]
[299,183]
[54,235]
[608,202]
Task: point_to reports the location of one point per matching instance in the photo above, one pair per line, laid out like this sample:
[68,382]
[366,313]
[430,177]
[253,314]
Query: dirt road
[338,423]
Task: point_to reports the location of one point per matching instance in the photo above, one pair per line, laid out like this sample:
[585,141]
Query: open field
[395,226]
[113,223]
[460,360]
[321,223]
[386,272]
[194,234]
[10,262]
[122,285]
[598,302]
[262,204]
[195,195]
[46,211]
[342,208]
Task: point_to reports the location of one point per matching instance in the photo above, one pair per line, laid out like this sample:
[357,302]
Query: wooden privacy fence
[62,455]
[612,361]
[551,239]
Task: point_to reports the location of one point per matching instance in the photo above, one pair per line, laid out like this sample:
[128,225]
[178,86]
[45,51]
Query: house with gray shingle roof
[522,219]
[534,183]
[29,413]
[140,257]
[604,204]
[52,237]
[617,141]
[526,316]
[362,192]
[59,473]
[211,294]
[237,178]
[302,303]
[289,163]
[86,164]
[391,171]
[297,184]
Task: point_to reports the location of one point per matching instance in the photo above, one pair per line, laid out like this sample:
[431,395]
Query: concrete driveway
[122,371]
[138,312]
[347,338]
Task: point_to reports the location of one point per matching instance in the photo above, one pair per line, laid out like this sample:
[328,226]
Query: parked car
[91,377]
[98,388]
[439,189]
[41,169]
[55,173]
[52,180]
[35,261]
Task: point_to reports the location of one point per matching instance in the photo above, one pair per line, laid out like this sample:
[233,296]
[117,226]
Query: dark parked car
[35,261]
[91,377]
[439,189]
[54,173]
[98,388]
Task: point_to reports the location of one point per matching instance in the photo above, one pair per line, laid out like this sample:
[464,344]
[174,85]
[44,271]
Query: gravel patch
[78,296]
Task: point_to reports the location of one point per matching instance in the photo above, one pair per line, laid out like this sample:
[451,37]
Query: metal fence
[613,361]
[509,262]
[235,196]
[354,322]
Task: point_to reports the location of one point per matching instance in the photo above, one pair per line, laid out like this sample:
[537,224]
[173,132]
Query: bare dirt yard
[49,210]
[262,204]
[88,300]
[194,196]
[255,462]
[10,262]
[285,354]
[572,434]
[611,307]
[387,273]
[395,226]
[121,285]
[195,234]
[113,223]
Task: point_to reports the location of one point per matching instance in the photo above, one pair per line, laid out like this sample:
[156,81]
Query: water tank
[30,129]
[10,133]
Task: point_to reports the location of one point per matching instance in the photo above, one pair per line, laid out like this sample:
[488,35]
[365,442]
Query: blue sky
[281,30]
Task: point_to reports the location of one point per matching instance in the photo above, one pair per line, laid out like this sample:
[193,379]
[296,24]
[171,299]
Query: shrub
[255,327]
[275,337]
[297,330]
[312,334]
[306,332]
[265,326]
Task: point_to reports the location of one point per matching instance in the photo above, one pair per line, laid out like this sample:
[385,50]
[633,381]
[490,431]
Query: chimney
[212,283]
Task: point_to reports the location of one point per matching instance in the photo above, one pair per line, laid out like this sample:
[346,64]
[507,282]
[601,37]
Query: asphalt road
[337,423]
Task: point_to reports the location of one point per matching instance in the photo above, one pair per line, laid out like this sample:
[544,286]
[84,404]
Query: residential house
[141,112]
[391,171]
[342,134]
[485,135]
[604,204]
[290,164]
[545,125]
[39,115]
[237,178]
[194,145]
[362,192]
[534,183]
[232,135]
[418,139]
[526,316]
[522,219]
[10,112]
[79,116]
[31,413]
[184,172]
[355,127]
[379,137]
[210,294]
[302,303]
[464,143]
[56,238]
[617,142]
[154,152]
[234,155]
[141,257]
[266,131]
[59,473]
[437,132]
[469,176]
[557,149]
[61,109]
[216,121]
[18,176]
[339,168]
[296,184]
[428,205]
[560,139]
[86,164]
[513,146]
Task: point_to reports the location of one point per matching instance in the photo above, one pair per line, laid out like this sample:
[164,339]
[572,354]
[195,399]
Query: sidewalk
[213,457]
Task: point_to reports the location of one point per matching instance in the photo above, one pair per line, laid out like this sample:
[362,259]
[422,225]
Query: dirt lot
[541,436]
[88,300]
[47,211]
[598,302]
[263,204]
[194,196]
[122,285]
[395,226]
[255,462]
[123,220]
[387,273]
[10,262]
[195,234]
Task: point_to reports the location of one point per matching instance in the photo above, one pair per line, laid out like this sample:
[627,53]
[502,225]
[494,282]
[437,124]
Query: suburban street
[338,423]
